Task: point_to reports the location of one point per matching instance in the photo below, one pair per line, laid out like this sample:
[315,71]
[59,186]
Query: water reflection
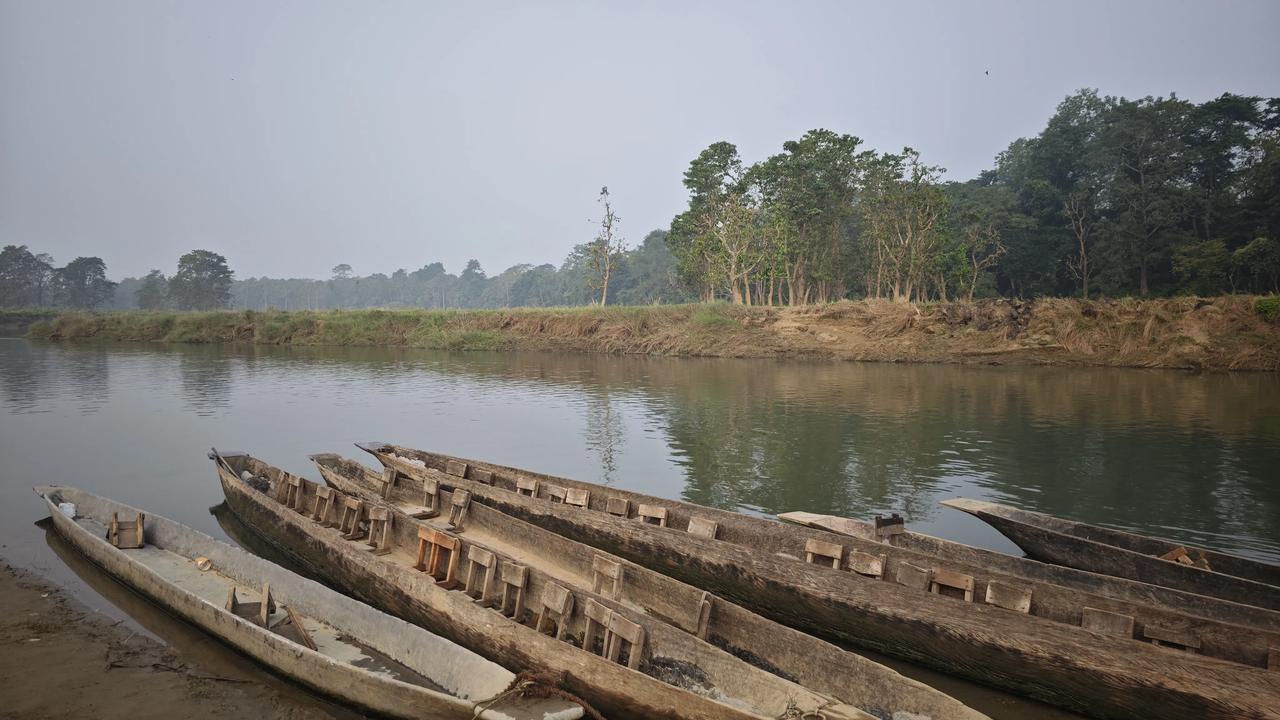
[1163,452]
[23,375]
[604,433]
[205,379]
[30,375]
[1181,455]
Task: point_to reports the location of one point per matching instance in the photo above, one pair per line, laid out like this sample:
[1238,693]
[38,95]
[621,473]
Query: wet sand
[61,659]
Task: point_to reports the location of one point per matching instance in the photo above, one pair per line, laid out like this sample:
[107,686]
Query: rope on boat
[537,685]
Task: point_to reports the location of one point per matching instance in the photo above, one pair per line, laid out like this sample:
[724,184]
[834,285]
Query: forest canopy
[1114,197]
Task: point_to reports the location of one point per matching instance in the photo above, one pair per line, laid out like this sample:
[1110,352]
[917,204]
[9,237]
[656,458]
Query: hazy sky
[294,136]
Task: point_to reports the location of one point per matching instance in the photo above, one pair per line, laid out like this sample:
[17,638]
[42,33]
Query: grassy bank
[16,321]
[1224,333]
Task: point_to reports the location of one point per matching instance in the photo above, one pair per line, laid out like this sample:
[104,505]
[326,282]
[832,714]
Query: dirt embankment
[60,660]
[1224,333]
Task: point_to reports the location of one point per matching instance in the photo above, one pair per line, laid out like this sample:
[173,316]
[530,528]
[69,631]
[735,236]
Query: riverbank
[1223,333]
[15,323]
[65,661]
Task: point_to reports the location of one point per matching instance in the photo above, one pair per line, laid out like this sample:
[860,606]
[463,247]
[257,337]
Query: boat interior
[230,579]
[874,559]
[781,650]
[504,580]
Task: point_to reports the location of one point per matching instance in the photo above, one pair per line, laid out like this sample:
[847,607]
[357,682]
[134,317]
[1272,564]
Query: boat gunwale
[696,559]
[660,694]
[1227,587]
[1242,645]
[1082,531]
[501,524]
[242,635]
[1182,602]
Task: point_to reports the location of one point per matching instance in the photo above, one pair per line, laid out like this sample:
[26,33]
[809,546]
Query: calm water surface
[1193,457]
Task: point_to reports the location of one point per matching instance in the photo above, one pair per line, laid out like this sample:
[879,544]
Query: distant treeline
[643,275]
[1115,197]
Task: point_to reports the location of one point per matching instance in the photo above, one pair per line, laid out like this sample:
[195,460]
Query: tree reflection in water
[1190,456]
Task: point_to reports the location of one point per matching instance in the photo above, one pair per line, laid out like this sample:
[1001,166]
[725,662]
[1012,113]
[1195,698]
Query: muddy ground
[60,659]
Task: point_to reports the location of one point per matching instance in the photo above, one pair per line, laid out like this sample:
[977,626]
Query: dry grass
[1225,333]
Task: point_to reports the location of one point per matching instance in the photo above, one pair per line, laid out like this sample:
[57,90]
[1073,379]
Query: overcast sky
[294,136]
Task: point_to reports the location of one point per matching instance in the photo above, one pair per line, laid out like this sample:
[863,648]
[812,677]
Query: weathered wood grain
[1130,556]
[1045,655]
[714,684]
[786,652]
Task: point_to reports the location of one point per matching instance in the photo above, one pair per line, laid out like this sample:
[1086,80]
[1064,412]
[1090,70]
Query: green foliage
[202,282]
[153,294]
[1268,308]
[1115,196]
[83,283]
[713,177]
[30,280]
[24,278]
[1203,266]
[903,212]
[1259,263]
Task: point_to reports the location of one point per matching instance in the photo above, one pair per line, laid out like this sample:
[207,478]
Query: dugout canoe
[1249,633]
[783,651]
[308,633]
[1128,555]
[634,666]
[871,596]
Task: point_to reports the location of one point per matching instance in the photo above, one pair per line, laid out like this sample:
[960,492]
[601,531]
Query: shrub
[1268,307]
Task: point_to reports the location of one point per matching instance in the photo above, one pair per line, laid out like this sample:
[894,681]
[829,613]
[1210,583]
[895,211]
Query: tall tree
[605,251]
[24,277]
[1217,143]
[471,283]
[1141,139]
[153,294]
[711,177]
[83,283]
[980,214]
[812,188]
[904,210]
[1076,171]
[202,282]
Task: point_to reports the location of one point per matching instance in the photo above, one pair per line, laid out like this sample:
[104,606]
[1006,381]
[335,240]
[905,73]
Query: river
[1195,457]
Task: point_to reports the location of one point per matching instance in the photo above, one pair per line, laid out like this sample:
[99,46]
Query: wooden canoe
[1255,629]
[783,651]
[1126,555]
[874,596]
[346,649]
[633,666]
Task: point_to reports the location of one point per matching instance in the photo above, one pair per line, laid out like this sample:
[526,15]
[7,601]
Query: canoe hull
[1068,667]
[1257,627]
[615,691]
[783,651]
[1051,546]
[337,680]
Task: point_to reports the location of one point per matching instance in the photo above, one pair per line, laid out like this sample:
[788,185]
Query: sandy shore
[58,659]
